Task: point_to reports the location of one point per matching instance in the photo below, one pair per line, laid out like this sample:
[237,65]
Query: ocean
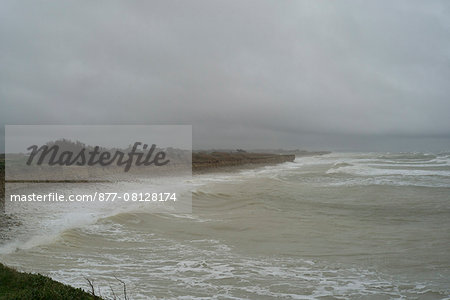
[337,226]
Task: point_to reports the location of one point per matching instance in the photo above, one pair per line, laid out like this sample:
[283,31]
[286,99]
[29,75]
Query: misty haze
[314,138]
[258,74]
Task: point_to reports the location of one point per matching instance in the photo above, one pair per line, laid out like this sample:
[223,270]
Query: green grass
[17,285]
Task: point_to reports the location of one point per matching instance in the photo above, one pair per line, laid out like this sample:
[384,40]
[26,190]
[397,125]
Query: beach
[341,225]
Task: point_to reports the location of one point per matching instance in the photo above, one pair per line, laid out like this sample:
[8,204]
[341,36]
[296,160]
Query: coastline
[306,208]
[220,161]
[203,162]
[15,283]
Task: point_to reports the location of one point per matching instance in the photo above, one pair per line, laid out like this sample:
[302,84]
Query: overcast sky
[349,75]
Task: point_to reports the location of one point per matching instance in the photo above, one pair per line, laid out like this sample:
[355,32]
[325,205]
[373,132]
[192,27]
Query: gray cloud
[243,73]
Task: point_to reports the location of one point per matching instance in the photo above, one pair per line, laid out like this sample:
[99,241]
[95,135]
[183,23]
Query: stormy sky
[339,75]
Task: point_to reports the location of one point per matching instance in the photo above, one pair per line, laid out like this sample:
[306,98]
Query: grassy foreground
[17,285]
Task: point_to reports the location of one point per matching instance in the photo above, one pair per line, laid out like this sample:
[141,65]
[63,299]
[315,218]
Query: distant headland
[213,159]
